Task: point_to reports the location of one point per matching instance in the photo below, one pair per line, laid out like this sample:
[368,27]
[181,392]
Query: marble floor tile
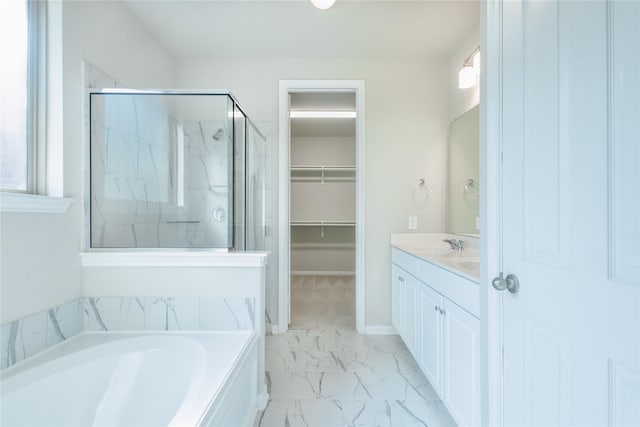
[323,373]
[303,361]
[353,413]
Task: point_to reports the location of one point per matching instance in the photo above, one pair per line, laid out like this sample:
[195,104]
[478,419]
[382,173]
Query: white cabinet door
[410,287]
[397,299]
[462,363]
[430,336]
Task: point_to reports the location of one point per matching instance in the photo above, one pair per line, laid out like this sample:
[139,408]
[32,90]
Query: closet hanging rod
[323,224]
[326,178]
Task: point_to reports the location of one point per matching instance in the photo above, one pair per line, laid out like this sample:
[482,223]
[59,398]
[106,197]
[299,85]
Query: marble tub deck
[337,377]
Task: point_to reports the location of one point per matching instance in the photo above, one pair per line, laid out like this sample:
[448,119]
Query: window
[15,123]
[31,113]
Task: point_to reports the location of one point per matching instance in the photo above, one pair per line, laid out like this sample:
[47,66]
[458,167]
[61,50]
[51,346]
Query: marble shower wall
[207,181]
[28,336]
[140,196]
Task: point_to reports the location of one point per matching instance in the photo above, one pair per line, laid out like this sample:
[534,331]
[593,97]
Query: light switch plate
[413,223]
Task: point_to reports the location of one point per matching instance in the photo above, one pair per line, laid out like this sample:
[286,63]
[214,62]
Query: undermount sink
[434,249]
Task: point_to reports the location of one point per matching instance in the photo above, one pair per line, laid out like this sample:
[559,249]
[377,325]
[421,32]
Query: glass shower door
[161,170]
[256,189]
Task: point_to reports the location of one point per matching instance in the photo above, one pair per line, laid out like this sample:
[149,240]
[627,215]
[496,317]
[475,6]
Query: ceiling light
[323,4]
[468,75]
[298,114]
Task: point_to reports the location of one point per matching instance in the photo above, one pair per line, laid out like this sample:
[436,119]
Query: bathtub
[136,379]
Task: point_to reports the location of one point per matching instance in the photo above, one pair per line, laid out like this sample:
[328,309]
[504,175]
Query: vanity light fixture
[468,75]
[300,114]
[323,4]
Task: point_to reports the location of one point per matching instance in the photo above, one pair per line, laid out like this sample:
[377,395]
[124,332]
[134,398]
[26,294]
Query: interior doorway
[322,209]
[321,205]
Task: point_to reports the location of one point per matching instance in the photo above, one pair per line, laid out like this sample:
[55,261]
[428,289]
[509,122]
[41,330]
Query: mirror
[464,173]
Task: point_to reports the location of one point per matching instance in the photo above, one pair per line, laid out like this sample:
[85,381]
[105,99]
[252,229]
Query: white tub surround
[28,336]
[436,309]
[169,258]
[199,289]
[119,378]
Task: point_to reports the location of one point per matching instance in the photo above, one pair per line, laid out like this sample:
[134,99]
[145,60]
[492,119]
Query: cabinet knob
[436,308]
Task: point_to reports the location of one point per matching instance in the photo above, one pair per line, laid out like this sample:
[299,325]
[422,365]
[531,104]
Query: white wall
[406,129]
[462,100]
[40,266]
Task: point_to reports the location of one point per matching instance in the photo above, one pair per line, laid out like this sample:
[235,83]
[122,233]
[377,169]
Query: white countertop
[430,247]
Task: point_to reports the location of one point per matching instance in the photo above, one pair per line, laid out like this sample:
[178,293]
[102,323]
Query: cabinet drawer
[462,291]
[407,262]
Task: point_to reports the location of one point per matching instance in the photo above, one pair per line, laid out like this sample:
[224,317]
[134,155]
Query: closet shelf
[322,173]
[323,224]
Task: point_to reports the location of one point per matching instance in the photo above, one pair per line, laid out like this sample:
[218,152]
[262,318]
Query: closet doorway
[321,250]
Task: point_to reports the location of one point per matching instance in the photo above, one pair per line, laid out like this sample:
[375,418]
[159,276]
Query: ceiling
[296,29]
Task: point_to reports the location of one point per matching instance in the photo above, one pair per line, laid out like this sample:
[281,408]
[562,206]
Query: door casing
[491,212]
[284,148]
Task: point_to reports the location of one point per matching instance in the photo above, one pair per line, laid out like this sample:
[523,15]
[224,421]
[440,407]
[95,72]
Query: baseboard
[275,329]
[323,273]
[379,330]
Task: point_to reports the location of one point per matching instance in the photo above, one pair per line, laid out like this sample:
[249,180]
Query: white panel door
[430,330]
[570,206]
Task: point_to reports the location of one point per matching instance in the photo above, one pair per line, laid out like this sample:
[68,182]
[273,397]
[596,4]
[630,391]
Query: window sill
[30,203]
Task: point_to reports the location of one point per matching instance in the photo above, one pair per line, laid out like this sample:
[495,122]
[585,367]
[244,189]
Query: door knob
[510,283]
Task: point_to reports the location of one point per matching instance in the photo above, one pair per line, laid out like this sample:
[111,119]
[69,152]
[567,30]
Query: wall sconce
[468,75]
[323,4]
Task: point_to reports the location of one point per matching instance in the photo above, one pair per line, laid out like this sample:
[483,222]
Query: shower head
[219,133]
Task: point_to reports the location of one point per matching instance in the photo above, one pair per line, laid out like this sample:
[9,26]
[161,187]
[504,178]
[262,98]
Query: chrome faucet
[456,245]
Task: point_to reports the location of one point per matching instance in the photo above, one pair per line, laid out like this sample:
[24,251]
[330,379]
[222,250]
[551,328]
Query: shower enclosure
[173,169]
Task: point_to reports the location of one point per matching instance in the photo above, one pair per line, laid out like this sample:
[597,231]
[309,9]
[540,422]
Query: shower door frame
[116,89]
[357,87]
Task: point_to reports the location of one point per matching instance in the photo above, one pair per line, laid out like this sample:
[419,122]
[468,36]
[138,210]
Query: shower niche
[174,170]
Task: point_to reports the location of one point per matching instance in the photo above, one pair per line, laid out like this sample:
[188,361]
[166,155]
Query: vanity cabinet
[397,299]
[442,336]
[431,353]
[405,316]
[461,345]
